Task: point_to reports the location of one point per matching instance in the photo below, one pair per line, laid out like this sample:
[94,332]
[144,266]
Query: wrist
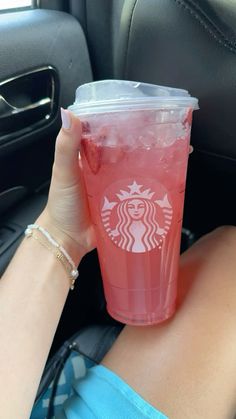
[69,244]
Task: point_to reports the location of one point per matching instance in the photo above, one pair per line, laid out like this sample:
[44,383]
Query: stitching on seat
[217,28]
[128,36]
[226,42]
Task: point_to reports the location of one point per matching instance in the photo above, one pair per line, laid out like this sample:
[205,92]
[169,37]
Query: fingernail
[66,119]
[190,149]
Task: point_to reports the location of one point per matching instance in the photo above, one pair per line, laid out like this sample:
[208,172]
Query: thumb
[67,148]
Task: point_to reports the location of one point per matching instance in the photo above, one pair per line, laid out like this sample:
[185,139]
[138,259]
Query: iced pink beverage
[136,197]
[134,166]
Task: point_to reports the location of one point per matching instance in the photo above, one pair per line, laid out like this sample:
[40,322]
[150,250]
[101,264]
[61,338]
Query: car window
[15,4]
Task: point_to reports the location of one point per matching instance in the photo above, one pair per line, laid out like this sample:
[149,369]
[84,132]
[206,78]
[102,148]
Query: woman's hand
[66,215]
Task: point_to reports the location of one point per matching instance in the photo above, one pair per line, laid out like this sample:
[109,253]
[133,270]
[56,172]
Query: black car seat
[183,43]
[191,44]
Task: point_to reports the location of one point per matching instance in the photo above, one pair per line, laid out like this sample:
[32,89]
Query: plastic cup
[134,150]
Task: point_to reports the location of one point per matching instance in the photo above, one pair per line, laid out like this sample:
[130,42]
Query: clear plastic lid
[120,95]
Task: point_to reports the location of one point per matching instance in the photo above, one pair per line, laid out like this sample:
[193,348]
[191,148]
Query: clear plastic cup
[134,150]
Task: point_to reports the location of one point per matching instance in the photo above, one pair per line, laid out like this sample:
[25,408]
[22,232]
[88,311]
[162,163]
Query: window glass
[14,4]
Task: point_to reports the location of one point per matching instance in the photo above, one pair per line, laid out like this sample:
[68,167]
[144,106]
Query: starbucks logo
[136,216]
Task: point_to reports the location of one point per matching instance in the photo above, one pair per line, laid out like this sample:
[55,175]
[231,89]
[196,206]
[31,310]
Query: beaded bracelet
[46,240]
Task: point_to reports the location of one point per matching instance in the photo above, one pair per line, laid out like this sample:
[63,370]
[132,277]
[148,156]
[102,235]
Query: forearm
[32,295]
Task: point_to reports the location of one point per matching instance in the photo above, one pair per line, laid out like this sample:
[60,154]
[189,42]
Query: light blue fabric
[75,367]
[101,394]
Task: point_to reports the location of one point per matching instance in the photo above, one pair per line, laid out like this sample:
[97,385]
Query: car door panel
[44,56]
[13,225]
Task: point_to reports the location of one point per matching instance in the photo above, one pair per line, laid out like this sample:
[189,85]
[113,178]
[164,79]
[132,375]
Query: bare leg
[187,367]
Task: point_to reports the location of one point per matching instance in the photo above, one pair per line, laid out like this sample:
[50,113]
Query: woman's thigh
[186,367]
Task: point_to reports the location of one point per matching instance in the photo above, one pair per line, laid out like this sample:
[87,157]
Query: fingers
[67,146]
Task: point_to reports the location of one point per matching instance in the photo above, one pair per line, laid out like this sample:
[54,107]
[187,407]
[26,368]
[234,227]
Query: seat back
[191,44]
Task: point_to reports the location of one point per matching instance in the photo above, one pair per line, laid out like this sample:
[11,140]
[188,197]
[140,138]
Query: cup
[134,151]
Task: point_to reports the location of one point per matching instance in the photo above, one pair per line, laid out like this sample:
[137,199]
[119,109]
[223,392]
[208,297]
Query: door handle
[28,101]
[7,110]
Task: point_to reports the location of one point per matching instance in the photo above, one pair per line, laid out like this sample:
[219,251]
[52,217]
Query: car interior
[49,49]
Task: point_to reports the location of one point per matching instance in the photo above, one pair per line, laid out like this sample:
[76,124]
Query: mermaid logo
[139,220]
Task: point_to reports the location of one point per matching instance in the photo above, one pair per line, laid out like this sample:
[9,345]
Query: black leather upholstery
[191,44]
[100,21]
[186,44]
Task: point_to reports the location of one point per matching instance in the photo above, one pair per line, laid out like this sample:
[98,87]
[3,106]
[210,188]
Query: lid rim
[106,96]
[103,107]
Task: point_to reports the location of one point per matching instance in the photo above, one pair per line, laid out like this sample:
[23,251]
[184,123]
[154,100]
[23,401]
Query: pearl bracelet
[61,254]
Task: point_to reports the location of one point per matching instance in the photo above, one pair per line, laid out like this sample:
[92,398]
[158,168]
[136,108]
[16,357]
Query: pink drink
[134,167]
